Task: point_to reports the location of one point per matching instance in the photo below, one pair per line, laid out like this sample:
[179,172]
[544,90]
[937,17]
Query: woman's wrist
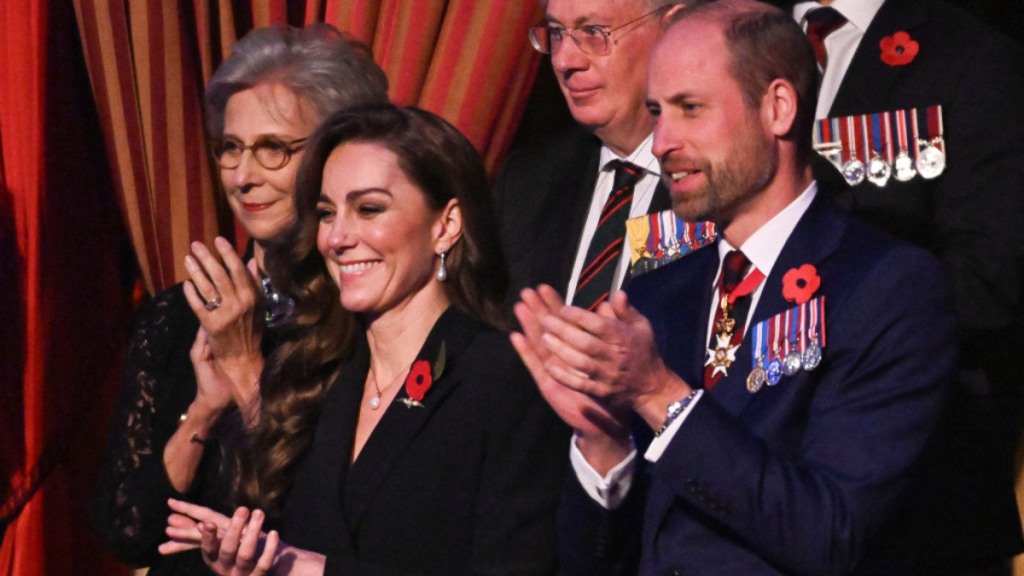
[200,417]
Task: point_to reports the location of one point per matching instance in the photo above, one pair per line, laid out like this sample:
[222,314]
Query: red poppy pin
[421,377]
[899,49]
[799,284]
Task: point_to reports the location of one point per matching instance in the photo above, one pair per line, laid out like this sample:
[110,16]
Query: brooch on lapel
[421,377]
[659,238]
[793,340]
[899,49]
[874,147]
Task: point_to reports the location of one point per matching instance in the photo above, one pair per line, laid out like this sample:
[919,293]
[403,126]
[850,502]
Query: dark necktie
[606,247]
[734,269]
[820,23]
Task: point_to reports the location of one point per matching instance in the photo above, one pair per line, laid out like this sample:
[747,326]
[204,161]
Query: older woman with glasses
[400,433]
[197,351]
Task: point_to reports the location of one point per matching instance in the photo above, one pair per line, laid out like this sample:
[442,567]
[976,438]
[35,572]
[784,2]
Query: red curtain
[63,311]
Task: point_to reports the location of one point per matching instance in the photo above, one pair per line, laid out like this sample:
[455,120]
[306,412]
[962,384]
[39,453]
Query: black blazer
[542,197]
[972,218]
[466,484]
[809,476]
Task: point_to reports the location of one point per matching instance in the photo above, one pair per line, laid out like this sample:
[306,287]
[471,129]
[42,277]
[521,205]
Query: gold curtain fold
[467,60]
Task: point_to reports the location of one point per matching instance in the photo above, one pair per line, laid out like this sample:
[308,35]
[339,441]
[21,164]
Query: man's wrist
[653,408]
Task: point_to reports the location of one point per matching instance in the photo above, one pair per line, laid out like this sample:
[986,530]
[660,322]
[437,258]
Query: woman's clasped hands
[232,546]
[235,546]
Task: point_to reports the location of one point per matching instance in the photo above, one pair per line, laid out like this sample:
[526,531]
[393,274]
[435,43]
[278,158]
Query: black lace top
[130,507]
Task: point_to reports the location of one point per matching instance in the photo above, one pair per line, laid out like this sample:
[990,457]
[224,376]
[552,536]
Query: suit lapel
[326,463]
[401,424]
[815,237]
[855,96]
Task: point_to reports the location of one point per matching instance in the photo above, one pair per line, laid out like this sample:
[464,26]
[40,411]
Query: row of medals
[771,374]
[930,163]
[724,356]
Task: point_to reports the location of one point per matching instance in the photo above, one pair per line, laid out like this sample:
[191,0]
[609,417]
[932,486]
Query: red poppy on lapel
[899,49]
[799,284]
[419,380]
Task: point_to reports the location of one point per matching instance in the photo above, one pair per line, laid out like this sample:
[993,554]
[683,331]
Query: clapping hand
[233,546]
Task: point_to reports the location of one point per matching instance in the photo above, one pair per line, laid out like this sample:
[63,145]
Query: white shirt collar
[860,13]
[764,246]
[642,156]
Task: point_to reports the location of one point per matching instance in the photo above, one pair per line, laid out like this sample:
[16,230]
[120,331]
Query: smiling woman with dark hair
[399,433]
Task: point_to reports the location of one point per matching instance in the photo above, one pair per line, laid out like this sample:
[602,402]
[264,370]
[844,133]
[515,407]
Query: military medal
[724,353]
[793,362]
[638,232]
[903,164]
[931,160]
[879,169]
[773,372]
[757,376]
[669,243]
[815,315]
[853,168]
[828,142]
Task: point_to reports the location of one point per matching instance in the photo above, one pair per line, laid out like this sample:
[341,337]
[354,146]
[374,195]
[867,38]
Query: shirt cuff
[660,443]
[610,490]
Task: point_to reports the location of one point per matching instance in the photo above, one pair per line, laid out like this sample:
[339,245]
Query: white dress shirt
[762,249]
[840,45]
[643,192]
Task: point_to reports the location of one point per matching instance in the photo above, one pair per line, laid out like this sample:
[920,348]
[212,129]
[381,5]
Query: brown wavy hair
[442,163]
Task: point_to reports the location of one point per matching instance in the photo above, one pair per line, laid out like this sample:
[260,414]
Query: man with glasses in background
[563,205]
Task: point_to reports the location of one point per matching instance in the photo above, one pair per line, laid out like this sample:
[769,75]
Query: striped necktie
[606,247]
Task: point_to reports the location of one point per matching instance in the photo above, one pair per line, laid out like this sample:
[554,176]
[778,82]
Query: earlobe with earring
[442,270]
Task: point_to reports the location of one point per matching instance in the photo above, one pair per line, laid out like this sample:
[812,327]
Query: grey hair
[317,63]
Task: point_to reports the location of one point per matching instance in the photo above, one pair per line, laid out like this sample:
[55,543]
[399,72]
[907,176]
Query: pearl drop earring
[442,270]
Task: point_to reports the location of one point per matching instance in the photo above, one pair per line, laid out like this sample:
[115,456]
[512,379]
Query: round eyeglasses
[591,39]
[271,153]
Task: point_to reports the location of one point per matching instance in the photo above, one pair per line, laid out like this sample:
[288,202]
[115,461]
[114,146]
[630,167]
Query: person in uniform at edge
[792,375]
[880,57]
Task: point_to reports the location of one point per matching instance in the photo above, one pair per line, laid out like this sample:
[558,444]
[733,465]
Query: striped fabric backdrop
[466,60]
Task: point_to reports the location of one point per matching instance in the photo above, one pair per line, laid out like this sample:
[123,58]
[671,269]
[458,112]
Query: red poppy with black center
[419,380]
[800,284]
[899,49]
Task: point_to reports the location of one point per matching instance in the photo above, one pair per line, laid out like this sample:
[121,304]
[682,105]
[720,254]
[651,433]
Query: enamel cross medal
[724,353]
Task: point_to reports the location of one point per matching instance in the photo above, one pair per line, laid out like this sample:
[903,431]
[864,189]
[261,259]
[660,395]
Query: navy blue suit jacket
[805,477]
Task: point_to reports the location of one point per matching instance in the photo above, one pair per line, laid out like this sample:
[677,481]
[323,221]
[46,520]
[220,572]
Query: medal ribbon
[866,148]
[654,238]
[776,329]
[758,350]
[901,128]
[748,285]
[847,135]
[935,127]
[917,134]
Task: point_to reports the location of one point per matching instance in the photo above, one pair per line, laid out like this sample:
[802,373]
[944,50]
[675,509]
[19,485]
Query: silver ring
[213,303]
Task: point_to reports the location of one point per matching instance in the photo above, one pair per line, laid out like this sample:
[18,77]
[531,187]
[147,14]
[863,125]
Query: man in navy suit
[970,217]
[756,467]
